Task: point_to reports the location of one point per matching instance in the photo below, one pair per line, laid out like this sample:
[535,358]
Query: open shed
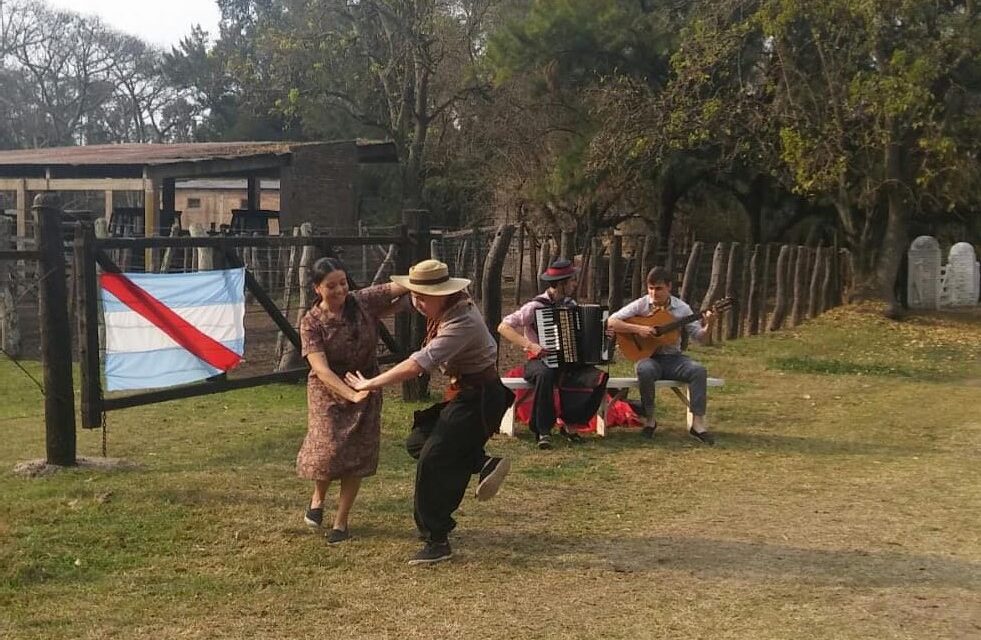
[318,180]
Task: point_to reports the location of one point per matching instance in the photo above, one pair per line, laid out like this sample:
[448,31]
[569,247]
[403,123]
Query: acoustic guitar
[667,330]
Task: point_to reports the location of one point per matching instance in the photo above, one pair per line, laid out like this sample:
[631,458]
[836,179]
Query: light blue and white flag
[164,329]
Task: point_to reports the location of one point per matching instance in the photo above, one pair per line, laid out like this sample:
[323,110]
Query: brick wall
[319,186]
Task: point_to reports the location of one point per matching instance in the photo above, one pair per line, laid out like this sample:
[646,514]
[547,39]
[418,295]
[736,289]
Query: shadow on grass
[677,439]
[725,559]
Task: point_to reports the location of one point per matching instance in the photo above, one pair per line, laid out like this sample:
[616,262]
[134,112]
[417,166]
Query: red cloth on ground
[618,413]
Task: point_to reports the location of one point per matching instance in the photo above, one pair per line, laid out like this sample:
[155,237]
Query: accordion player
[574,335]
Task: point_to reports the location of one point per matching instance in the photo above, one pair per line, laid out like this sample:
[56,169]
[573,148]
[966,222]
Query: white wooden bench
[618,387]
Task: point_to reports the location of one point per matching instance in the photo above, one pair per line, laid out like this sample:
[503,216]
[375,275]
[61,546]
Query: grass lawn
[843,501]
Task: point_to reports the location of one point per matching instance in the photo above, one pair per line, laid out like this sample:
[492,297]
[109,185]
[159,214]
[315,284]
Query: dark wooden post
[493,272]
[252,193]
[780,306]
[615,299]
[691,272]
[56,335]
[416,222]
[403,321]
[87,290]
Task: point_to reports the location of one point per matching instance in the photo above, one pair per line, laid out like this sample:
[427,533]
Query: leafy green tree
[870,106]
[562,53]
[376,68]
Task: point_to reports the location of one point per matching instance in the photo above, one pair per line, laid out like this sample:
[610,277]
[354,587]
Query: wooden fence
[774,285]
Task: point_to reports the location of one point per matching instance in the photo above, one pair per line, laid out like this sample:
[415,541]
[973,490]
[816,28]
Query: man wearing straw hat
[448,438]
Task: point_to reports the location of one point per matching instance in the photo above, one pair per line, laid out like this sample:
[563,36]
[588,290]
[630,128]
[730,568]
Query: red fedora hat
[561,269]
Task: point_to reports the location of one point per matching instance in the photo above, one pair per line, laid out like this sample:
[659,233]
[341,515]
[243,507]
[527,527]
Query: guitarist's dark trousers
[672,367]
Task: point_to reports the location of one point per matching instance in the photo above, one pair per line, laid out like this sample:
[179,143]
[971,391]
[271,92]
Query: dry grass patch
[841,502]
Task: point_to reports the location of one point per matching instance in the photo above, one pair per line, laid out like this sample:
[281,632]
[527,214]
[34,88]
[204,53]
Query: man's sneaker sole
[490,485]
[420,561]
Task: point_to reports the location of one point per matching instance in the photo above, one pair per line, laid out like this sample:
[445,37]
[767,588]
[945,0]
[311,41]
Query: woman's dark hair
[320,269]
[658,275]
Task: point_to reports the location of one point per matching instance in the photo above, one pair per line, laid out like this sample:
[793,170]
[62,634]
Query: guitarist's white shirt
[677,307]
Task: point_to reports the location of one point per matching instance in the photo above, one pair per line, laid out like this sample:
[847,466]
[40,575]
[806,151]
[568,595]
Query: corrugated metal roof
[140,154]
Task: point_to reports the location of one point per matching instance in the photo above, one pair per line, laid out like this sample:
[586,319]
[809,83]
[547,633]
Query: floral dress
[343,438]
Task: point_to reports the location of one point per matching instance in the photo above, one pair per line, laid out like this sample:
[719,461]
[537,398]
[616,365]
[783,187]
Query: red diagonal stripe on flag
[180,330]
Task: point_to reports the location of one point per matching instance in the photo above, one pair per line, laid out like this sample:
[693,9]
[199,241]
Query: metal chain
[104,433]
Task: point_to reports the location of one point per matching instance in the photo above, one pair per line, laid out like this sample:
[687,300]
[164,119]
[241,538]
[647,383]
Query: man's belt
[475,380]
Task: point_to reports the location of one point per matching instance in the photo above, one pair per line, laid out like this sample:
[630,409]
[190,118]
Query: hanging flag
[164,329]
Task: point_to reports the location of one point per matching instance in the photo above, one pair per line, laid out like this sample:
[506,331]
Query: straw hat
[431,277]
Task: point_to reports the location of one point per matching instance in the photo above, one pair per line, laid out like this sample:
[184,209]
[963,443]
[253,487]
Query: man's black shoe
[314,517]
[544,443]
[571,436]
[648,432]
[702,436]
[337,535]
[492,477]
[432,553]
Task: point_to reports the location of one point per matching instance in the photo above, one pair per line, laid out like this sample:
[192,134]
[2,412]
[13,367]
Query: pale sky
[162,23]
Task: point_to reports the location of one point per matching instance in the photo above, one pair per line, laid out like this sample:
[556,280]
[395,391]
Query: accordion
[574,335]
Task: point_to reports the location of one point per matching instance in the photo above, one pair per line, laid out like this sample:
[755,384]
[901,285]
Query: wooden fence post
[800,272]
[753,296]
[479,255]
[533,256]
[715,279]
[780,306]
[813,303]
[291,358]
[637,281]
[417,223]
[743,302]
[765,288]
[206,258]
[10,338]
[596,270]
[288,278]
[518,277]
[824,302]
[567,246]
[56,341]
[87,292]
[493,271]
[836,280]
[691,271]
[615,299]
[733,285]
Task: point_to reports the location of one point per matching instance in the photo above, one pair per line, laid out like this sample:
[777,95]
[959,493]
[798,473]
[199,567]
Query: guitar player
[666,362]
